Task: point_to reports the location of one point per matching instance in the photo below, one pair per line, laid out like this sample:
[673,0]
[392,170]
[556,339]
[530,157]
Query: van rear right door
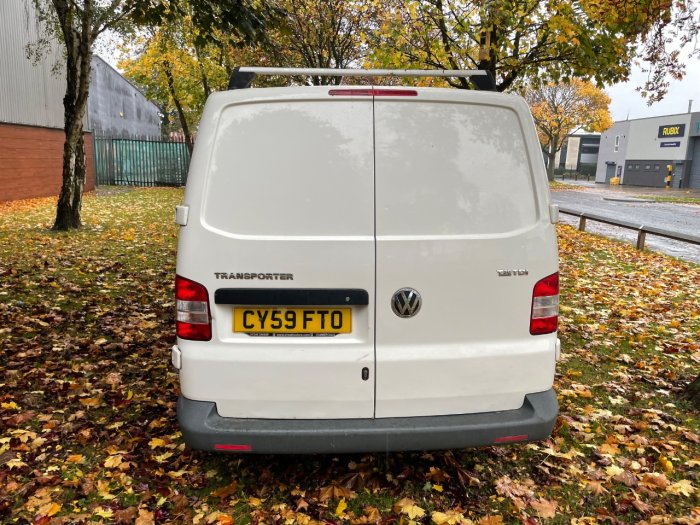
[457,200]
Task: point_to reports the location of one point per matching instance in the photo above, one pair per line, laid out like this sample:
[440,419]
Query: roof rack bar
[331,72]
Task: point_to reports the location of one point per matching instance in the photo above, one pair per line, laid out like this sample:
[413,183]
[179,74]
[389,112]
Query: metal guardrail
[641,229]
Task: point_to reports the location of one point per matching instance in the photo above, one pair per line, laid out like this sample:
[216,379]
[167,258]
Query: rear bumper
[203,429]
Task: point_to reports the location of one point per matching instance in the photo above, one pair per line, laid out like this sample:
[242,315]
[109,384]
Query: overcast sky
[625,98]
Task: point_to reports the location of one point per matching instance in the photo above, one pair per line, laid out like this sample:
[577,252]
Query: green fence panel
[131,162]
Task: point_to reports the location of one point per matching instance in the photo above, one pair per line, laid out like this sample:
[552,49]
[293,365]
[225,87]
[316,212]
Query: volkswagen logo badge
[406,302]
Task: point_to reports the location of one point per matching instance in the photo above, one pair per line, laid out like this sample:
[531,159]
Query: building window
[617,143]
[656,167]
[629,166]
[647,167]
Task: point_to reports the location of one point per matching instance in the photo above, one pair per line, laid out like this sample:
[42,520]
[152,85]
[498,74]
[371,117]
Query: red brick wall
[31,160]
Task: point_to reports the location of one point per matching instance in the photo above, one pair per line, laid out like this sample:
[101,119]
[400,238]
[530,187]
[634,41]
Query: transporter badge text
[255,275]
[511,273]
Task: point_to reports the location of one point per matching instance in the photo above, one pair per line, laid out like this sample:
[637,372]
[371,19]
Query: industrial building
[641,152]
[579,153]
[31,108]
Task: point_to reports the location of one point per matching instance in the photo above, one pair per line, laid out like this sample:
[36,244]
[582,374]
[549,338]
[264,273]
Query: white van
[365,269]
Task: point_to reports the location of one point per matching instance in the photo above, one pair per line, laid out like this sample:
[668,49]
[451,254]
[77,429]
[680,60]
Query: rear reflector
[236,448]
[193,320]
[374,92]
[545,306]
[510,439]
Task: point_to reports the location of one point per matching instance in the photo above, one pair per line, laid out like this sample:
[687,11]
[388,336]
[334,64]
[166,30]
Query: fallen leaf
[49,509]
[145,518]
[103,512]
[545,508]
[682,488]
[408,507]
[341,507]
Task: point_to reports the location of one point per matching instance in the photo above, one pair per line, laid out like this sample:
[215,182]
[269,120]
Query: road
[624,205]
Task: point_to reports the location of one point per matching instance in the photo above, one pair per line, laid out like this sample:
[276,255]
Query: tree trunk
[70,198]
[78,63]
[180,111]
[692,392]
[551,156]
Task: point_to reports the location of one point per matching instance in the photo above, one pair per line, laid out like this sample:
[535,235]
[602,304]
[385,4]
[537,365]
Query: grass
[671,198]
[87,414]
[559,186]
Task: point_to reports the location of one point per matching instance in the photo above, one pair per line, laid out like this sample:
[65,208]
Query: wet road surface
[626,206]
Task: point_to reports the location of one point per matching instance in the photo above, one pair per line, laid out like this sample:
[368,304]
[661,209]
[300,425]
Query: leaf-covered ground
[87,415]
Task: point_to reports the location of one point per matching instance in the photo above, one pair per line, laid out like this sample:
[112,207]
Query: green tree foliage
[178,63]
[78,23]
[323,34]
[549,40]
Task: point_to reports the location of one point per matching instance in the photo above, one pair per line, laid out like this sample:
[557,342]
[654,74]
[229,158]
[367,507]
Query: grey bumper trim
[203,428]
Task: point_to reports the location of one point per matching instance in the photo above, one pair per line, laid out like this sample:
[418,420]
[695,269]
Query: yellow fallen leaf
[49,509]
[491,520]
[437,488]
[163,457]
[341,507]
[156,442]
[75,458]
[10,406]
[682,488]
[449,517]
[15,463]
[90,401]
[103,512]
[113,461]
[254,502]
[103,490]
[613,470]
[666,464]
[408,507]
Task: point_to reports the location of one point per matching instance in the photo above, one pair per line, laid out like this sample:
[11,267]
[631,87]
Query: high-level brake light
[545,306]
[193,319]
[366,92]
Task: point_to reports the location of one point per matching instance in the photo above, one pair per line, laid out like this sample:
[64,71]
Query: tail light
[193,319]
[545,306]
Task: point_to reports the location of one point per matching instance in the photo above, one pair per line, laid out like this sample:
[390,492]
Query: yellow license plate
[281,320]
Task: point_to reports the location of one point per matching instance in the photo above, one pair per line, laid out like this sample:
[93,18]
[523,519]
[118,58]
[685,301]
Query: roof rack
[242,77]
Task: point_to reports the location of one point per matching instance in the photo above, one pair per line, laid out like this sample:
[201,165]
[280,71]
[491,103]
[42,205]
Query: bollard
[641,237]
[582,223]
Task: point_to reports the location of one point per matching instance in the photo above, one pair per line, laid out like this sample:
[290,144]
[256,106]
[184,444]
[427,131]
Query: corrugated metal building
[31,108]
[116,108]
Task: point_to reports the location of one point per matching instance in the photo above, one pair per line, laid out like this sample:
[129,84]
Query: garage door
[695,166]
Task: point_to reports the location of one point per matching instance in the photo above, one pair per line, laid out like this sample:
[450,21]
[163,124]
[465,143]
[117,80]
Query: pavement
[623,203]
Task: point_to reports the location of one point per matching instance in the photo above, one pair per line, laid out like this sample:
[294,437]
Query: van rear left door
[287,207]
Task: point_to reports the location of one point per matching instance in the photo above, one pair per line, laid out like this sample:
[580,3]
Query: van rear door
[286,221]
[456,201]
